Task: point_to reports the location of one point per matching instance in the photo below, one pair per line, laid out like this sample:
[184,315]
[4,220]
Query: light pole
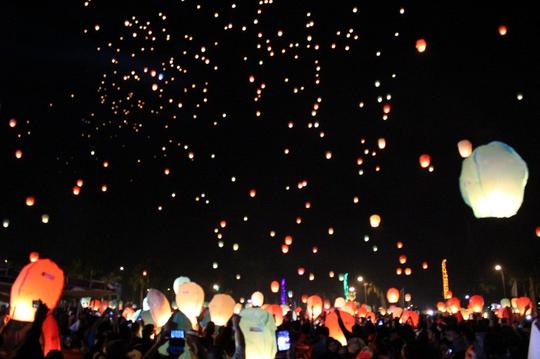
[499,269]
[361,280]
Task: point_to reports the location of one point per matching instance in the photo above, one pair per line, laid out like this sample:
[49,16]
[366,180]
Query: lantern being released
[493,180]
[160,308]
[221,308]
[274,286]
[314,306]
[41,279]
[189,299]
[392,295]
[257,299]
[332,323]
[178,282]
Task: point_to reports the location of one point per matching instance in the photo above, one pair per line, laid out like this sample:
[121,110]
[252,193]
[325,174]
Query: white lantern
[178,282]
[493,180]
[189,299]
[221,308]
[160,308]
[464,148]
[257,299]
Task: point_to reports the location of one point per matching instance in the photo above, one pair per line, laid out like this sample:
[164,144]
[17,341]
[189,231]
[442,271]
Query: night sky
[297,96]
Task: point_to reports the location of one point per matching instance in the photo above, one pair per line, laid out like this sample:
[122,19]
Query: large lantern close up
[314,306]
[221,308]
[332,323]
[160,309]
[189,299]
[493,180]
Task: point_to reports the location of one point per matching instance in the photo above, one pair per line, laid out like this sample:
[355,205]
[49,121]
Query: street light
[361,280]
[499,269]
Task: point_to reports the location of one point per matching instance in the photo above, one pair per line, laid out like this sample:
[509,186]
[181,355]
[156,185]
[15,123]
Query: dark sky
[465,85]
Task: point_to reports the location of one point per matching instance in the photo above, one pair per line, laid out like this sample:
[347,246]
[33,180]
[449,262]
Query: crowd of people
[85,333]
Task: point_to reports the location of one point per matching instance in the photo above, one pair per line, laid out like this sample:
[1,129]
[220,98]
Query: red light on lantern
[30,201]
[425,160]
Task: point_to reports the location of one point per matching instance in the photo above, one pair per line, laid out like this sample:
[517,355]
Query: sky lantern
[41,279]
[12,123]
[332,323]
[104,188]
[288,240]
[425,265]
[221,308]
[274,286]
[18,154]
[95,304]
[339,302]
[392,295]
[178,282]
[301,271]
[311,276]
[425,160]
[464,148]
[441,306]
[128,313]
[375,220]
[50,335]
[315,249]
[453,305]
[80,182]
[476,303]
[421,45]
[252,193]
[223,223]
[45,218]
[493,180]
[34,256]
[408,271]
[399,245]
[505,302]
[277,312]
[502,30]
[304,298]
[76,190]
[257,299]
[381,143]
[387,108]
[160,309]
[189,299]
[410,317]
[314,306]
[395,311]
[521,305]
[30,201]
[399,270]
[402,259]
[408,297]
[537,231]
[284,248]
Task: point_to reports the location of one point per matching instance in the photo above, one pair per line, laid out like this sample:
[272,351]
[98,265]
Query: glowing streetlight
[499,269]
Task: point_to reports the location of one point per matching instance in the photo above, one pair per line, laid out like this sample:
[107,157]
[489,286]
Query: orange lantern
[502,30]
[425,160]
[189,299]
[301,271]
[399,271]
[408,271]
[449,295]
[34,256]
[277,312]
[375,220]
[425,265]
[339,302]
[95,304]
[464,148]
[221,308]
[288,240]
[453,304]
[408,297]
[522,303]
[223,223]
[12,123]
[410,317]
[284,248]
[349,307]
[392,295]
[274,286]
[160,309]
[386,108]
[128,313]
[441,306]
[314,306]
[421,45]
[315,249]
[252,193]
[399,245]
[80,182]
[395,311]
[50,334]
[362,311]
[76,190]
[18,154]
[332,323]
[30,201]
[257,299]
[104,305]
[304,298]
[402,259]
[476,303]
[538,231]
[41,279]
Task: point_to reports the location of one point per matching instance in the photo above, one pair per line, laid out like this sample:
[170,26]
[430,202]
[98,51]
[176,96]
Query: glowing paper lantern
[476,303]
[128,314]
[349,307]
[375,220]
[42,279]
[189,299]
[85,302]
[399,245]
[339,302]
[395,311]
[277,312]
[493,180]
[257,299]
[304,298]
[331,322]
[274,286]
[453,305]
[392,295]
[502,30]
[314,306]
[381,143]
[425,160]
[505,302]
[402,259]
[284,248]
[524,305]
[537,231]
[178,282]
[34,256]
[301,271]
[399,271]
[410,317]
[95,304]
[160,309]
[425,265]
[408,271]
[252,193]
[12,123]
[441,306]
[30,201]
[408,297]
[221,308]
[421,45]
[50,335]
[288,240]
[238,308]
[464,148]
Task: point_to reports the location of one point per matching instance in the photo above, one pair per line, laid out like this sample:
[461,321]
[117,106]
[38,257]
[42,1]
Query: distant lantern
[34,256]
[30,201]
[375,220]
[441,306]
[381,143]
[284,248]
[399,245]
[538,231]
[464,148]
[402,259]
[387,108]
[252,193]
[80,182]
[18,154]
[288,240]
[304,298]
[12,123]
[315,249]
[104,188]
[524,305]
[408,271]
[424,160]
[308,205]
[301,271]
[425,265]
[42,280]
[221,308]
[223,224]
[190,299]
[274,286]
[408,297]
[476,303]
[493,180]
[276,311]
[392,295]
[331,231]
[257,299]
[453,305]
[339,302]
[421,45]
[502,30]
[76,190]
[314,306]
[160,308]
[44,218]
[399,271]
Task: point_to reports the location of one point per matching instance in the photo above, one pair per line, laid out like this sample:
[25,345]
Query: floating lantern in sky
[399,244]
[314,306]
[12,123]
[493,180]
[375,220]
[441,306]
[315,249]
[80,182]
[421,45]
[453,305]
[221,308]
[424,160]
[387,108]
[408,271]
[425,265]
[284,248]
[34,256]
[160,308]
[476,303]
[332,323]
[381,143]
[399,270]
[44,218]
[30,201]
[274,286]
[252,193]
[502,30]
[301,271]
[402,259]
[537,231]
[464,148]
[392,295]
[76,190]
[288,240]
[189,299]
[18,154]
[178,282]
[408,297]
